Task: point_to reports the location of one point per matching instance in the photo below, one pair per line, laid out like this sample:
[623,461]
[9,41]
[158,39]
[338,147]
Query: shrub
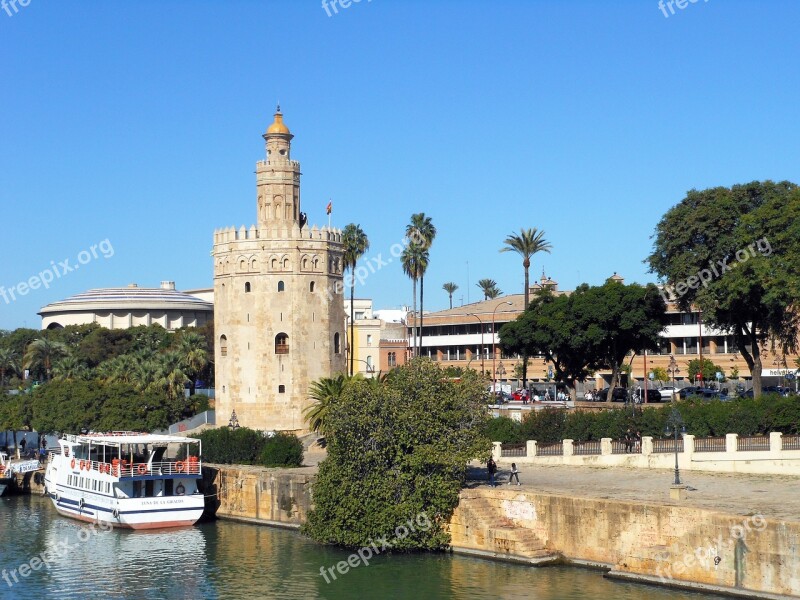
[241,446]
[282,450]
[546,425]
[505,430]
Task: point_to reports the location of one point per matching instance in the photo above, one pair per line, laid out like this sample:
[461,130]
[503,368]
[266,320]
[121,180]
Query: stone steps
[496,534]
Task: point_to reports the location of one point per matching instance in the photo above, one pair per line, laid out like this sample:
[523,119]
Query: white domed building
[124,307]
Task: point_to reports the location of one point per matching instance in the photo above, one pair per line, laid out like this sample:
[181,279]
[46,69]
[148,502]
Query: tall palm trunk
[526,265]
[414,329]
[421,311]
[352,324]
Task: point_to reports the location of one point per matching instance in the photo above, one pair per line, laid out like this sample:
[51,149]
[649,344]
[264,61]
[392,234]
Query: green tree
[282,450]
[170,377]
[70,368]
[708,371]
[527,243]
[414,260]
[660,374]
[734,253]
[622,319]
[355,244]
[194,356]
[41,353]
[555,327]
[421,231]
[397,451]
[324,392]
[450,288]
[488,288]
[8,364]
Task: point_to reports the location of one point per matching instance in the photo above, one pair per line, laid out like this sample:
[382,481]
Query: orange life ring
[179,466]
[72,464]
[141,469]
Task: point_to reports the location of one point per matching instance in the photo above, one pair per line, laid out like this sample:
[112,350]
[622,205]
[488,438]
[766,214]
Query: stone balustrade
[775,454]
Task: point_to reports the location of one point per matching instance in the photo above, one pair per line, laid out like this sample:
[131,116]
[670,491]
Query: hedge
[703,418]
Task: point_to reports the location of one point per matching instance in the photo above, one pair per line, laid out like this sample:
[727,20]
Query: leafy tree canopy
[735,254]
[397,449]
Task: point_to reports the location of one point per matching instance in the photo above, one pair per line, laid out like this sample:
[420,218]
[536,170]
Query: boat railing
[118,468]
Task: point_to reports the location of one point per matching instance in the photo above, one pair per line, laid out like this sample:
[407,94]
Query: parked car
[620,395]
[655,396]
[687,391]
[667,392]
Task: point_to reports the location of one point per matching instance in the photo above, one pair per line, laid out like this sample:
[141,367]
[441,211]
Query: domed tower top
[278,127]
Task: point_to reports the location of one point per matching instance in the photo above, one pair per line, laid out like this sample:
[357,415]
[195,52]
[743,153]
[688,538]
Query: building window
[246,287]
[337,347]
[281,286]
[281,344]
[369,340]
[281,389]
[392,359]
[311,287]
[223,345]
[370,368]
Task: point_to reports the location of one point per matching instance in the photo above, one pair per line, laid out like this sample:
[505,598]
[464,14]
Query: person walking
[628,439]
[637,440]
[491,466]
[514,473]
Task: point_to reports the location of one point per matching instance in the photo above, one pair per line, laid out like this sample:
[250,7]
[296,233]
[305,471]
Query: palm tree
[194,356]
[8,362]
[489,288]
[356,244]
[528,243]
[421,231]
[170,377]
[42,353]
[413,258]
[450,288]
[324,392]
[70,368]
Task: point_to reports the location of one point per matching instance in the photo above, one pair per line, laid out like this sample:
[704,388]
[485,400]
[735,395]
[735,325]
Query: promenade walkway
[773,497]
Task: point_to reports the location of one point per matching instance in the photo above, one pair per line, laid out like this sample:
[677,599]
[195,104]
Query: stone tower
[279,314]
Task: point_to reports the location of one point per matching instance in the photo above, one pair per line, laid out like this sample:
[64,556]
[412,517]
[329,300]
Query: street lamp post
[672,367]
[233,423]
[675,425]
[483,370]
[494,337]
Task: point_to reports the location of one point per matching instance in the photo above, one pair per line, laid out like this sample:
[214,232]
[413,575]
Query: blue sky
[140,122]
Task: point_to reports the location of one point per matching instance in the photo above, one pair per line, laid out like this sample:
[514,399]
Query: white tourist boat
[9,469]
[133,480]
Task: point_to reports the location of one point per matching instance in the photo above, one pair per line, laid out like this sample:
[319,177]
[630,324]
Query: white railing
[775,454]
[117,468]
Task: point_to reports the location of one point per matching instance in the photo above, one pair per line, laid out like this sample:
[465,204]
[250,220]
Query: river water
[225,559]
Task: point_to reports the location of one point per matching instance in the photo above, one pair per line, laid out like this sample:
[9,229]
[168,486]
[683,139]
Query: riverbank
[732,534]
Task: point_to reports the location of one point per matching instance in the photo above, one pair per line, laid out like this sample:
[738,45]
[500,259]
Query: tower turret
[278,177]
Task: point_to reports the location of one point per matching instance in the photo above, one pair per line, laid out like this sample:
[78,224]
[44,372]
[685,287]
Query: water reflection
[228,560]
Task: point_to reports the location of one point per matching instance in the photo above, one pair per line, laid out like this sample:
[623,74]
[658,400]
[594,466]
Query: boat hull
[183,511]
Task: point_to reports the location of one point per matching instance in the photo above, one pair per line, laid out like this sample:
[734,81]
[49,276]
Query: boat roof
[129,437]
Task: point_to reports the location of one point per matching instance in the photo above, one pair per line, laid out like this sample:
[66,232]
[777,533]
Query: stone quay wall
[673,545]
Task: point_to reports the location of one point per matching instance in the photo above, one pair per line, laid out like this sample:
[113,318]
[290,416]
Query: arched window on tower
[281,344]
[246,287]
[337,346]
[281,286]
[311,287]
[223,345]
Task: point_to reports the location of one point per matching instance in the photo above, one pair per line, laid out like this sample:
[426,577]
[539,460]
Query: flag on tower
[329,209]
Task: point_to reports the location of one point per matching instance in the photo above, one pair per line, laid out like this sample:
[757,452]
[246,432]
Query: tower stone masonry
[279,314]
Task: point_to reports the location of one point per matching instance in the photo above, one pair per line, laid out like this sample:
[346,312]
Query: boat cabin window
[168,486]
